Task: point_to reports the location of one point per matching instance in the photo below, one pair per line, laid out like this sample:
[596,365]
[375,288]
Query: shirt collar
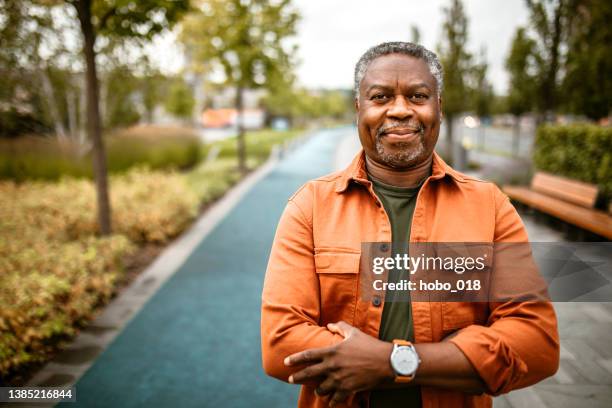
[356,171]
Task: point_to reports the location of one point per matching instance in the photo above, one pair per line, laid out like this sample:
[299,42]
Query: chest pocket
[338,274]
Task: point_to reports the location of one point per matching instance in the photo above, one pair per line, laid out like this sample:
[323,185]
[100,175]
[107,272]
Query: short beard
[406,156]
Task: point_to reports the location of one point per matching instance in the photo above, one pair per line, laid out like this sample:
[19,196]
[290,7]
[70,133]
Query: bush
[258,144]
[48,159]
[54,272]
[48,288]
[581,152]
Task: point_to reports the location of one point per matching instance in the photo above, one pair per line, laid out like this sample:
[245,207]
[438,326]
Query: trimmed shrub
[47,159]
[258,143]
[581,152]
[54,272]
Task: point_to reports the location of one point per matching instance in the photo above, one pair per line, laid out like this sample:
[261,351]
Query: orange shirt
[313,279]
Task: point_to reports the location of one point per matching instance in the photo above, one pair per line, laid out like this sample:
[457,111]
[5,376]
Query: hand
[360,362]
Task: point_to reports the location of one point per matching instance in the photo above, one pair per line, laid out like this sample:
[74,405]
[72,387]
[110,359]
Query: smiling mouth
[401,131]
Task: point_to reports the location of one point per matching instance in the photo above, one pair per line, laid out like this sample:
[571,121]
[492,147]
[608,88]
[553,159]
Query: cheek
[429,116]
[369,122]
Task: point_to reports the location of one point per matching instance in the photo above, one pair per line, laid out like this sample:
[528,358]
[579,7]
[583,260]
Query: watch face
[404,360]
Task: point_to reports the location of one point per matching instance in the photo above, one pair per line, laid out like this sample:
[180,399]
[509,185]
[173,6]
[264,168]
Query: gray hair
[399,47]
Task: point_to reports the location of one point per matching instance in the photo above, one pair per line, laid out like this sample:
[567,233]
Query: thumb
[342,328]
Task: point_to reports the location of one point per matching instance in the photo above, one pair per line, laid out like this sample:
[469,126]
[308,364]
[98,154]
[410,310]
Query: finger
[307,356]
[327,387]
[338,398]
[308,374]
[342,328]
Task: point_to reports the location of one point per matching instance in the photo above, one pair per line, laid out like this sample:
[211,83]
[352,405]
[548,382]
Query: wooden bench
[569,200]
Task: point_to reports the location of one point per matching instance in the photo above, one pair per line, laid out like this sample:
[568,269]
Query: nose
[400,109]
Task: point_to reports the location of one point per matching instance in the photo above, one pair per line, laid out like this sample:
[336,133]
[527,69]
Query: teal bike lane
[196,342]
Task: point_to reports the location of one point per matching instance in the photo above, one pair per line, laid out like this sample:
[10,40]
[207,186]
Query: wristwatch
[404,361]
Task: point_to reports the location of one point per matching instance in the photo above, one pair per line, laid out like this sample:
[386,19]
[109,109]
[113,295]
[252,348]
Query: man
[316,328]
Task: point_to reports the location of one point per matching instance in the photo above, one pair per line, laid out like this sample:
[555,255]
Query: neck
[410,177]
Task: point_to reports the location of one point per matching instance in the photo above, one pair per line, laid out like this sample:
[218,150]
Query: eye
[379,97]
[419,97]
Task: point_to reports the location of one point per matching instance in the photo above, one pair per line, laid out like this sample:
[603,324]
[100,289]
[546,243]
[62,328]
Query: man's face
[398,111]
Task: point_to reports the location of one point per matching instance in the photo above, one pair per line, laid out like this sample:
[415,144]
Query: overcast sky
[333,34]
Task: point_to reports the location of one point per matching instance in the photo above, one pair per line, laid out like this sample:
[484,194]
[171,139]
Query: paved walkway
[196,342]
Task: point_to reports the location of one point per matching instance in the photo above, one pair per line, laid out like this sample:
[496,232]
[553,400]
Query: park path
[196,342]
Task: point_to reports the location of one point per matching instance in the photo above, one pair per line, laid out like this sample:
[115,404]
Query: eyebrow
[388,88]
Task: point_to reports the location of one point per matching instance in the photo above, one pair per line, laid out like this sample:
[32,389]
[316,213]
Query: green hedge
[259,143]
[581,152]
[38,158]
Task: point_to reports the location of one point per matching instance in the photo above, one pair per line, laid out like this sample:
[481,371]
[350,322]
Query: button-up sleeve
[290,300]
[520,344]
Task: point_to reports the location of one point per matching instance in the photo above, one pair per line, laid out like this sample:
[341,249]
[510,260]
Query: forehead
[393,69]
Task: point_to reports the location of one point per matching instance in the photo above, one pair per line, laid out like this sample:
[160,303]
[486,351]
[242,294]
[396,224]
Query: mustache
[416,126]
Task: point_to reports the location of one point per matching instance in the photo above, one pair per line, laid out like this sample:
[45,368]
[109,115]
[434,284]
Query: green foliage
[303,105]
[180,101]
[244,38]
[455,59]
[582,152]
[587,86]
[156,147]
[120,108]
[481,89]
[48,288]
[136,19]
[259,144]
[520,64]
[550,20]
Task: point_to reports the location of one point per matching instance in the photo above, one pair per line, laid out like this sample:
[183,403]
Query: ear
[356,105]
[441,110]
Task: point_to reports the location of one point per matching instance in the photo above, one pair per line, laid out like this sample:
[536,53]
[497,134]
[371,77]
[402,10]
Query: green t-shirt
[396,323]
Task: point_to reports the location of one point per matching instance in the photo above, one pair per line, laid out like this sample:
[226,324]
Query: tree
[416,34]
[521,65]
[180,100]
[28,85]
[587,85]
[456,61]
[245,39]
[482,92]
[119,20]
[550,20]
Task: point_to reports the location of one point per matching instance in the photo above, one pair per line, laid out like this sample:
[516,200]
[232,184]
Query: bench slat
[573,191]
[589,219]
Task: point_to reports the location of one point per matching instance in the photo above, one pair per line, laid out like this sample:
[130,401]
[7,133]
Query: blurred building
[228,117]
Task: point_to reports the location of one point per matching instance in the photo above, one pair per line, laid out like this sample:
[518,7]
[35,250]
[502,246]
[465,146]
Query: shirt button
[376,300]
[384,247]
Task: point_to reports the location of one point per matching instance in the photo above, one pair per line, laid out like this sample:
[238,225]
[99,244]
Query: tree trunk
[550,82]
[516,135]
[240,125]
[47,88]
[94,130]
[449,138]
[71,103]
[83,140]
